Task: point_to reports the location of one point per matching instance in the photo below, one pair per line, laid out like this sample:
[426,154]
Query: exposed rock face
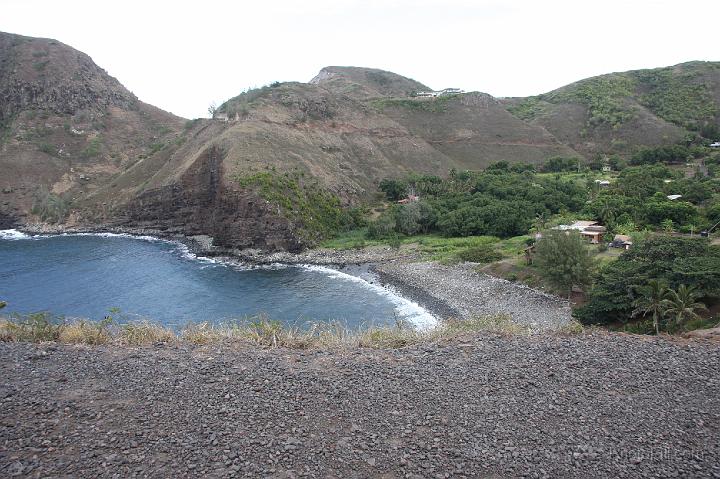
[45,74]
[200,203]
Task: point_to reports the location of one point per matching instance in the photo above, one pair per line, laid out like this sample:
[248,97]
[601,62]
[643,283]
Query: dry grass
[260,332]
[144,332]
[85,332]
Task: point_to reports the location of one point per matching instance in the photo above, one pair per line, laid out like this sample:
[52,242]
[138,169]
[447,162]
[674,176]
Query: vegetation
[500,201]
[651,299]
[317,212]
[92,149]
[482,253]
[50,207]
[429,105]
[488,217]
[244,102]
[681,305]
[527,109]
[658,260]
[563,260]
[604,96]
[558,164]
[680,97]
[257,331]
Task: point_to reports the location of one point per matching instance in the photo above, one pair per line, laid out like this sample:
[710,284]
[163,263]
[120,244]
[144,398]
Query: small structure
[450,91]
[607,168]
[446,91]
[409,199]
[621,241]
[591,230]
[673,197]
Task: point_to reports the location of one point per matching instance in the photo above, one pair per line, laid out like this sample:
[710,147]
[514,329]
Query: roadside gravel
[459,291]
[485,406]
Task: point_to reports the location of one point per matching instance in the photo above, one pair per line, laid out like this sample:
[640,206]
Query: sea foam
[407,309]
[12,235]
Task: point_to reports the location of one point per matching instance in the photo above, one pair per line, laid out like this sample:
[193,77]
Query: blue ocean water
[86,275]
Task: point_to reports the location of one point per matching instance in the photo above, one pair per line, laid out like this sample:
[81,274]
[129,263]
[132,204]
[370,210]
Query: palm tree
[541,221]
[681,305]
[652,299]
[606,211]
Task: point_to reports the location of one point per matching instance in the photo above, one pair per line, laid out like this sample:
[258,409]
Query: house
[589,229]
[606,168]
[220,116]
[621,241]
[603,183]
[673,197]
[450,91]
[715,144]
[446,91]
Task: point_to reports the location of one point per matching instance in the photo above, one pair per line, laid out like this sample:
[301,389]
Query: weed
[143,333]
[36,327]
[86,332]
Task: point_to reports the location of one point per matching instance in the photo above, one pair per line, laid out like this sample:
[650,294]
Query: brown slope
[473,129]
[361,83]
[324,138]
[67,126]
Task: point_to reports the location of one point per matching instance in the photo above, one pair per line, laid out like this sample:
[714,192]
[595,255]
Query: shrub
[36,327]
[50,207]
[563,260]
[382,227]
[92,149]
[484,253]
[144,332]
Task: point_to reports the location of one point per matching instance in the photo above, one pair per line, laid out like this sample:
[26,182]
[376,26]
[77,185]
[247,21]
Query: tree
[653,299]
[681,305]
[606,210]
[674,260]
[212,109]
[2,304]
[563,259]
[394,189]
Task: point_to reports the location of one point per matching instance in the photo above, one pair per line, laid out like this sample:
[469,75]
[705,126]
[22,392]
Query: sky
[184,55]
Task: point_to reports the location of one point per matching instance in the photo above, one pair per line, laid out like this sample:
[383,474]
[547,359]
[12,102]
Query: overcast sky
[181,56]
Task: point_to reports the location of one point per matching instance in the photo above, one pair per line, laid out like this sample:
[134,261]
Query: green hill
[618,111]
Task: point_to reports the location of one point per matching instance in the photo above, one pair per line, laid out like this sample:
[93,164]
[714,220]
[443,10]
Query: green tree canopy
[563,259]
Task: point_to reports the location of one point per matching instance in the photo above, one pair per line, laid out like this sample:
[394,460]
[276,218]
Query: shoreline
[445,292]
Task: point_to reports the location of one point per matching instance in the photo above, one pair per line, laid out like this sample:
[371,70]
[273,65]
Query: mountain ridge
[273,164]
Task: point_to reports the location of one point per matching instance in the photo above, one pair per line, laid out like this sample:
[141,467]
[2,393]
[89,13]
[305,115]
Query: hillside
[614,113]
[276,166]
[66,127]
[364,83]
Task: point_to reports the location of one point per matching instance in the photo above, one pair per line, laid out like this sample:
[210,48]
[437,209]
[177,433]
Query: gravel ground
[458,290]
[487,406]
